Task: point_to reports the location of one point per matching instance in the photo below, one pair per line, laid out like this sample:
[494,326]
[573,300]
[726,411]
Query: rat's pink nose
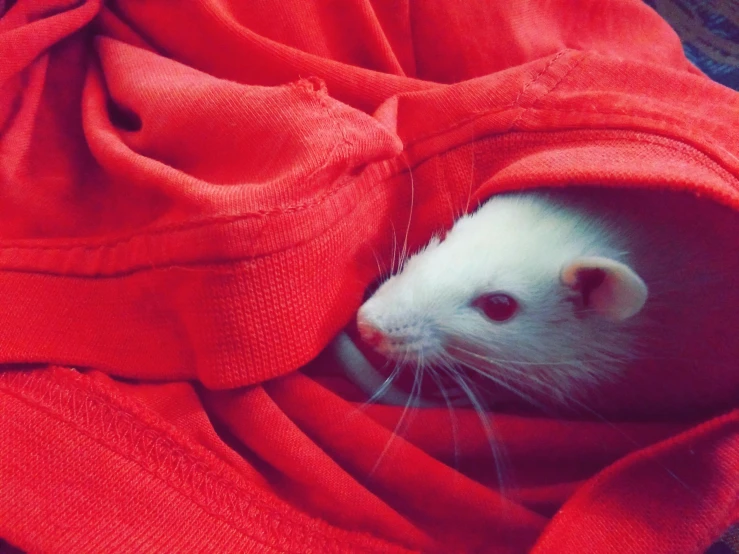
[369,333]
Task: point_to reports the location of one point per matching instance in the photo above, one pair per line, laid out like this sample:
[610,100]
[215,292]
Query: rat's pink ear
[608,287]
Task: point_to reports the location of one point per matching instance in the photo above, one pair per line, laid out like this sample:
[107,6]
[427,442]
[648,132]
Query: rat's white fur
[685,249]
[517,244]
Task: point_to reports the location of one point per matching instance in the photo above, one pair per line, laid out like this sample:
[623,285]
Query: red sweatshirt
[192,195]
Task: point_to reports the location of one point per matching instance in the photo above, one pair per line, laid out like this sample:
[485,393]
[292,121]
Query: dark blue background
[712,18]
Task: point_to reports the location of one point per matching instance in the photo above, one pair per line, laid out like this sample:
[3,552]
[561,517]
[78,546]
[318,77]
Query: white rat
[553,293]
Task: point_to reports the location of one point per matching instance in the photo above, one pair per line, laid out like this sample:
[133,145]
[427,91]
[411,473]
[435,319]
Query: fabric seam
[697,156]
[524,112]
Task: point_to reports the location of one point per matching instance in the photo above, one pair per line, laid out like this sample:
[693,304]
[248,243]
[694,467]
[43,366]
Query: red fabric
[193,195]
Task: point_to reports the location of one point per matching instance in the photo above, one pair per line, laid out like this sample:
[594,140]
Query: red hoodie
[192,198]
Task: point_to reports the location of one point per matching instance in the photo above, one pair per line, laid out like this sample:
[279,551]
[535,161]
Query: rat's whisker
[415,393]
[386,384]
[481,343]
[498,455]
[453,422]
[381,270]
[471,181]
[410,214]
[393,268]
[378,394]
[502,383]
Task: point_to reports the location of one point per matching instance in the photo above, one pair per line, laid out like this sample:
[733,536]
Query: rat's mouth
[416,368]
[442,385]
[419,377]
[427,382]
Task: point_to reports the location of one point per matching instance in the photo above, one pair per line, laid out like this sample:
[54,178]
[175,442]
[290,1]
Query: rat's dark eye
[497,306]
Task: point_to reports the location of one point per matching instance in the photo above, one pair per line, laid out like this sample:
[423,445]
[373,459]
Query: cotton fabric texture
[192,196]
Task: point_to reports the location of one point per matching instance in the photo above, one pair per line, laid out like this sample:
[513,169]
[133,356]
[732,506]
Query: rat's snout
[368,332]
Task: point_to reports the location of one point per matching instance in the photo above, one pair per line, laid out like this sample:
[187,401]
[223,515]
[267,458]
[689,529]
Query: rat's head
[522,285]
